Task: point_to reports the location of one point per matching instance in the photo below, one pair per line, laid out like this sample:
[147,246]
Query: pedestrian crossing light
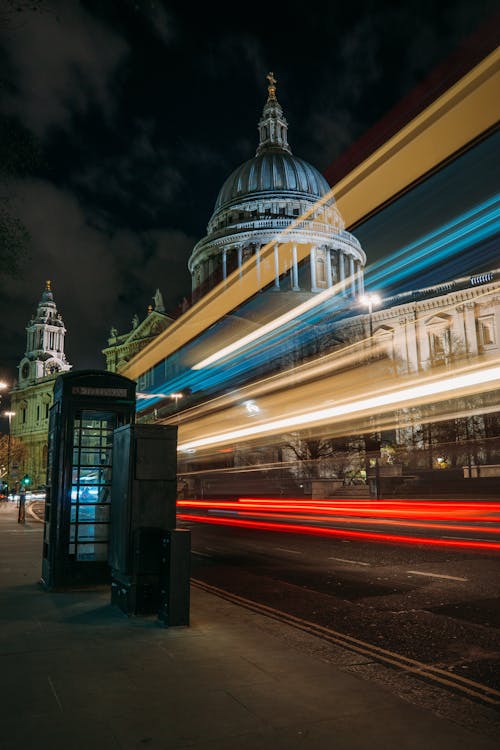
[26,480]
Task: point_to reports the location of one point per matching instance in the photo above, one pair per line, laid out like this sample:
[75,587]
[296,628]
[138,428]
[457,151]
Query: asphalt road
[422,620]
[436,607]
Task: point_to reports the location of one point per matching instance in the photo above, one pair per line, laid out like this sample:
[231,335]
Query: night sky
[121,120]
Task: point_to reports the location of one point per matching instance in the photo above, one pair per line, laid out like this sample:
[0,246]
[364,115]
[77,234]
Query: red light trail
[288,515]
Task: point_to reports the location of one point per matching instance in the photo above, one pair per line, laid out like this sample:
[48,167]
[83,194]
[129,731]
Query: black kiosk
[88,406]
[149,557]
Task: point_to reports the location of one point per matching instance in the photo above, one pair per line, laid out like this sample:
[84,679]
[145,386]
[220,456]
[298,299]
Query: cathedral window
[38,413]
[23,413]
[486,331]
[296,211]
[439,343]
[47,411]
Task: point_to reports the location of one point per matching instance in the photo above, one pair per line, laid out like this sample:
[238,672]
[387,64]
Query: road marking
[441,676]
[55,693]
[436,575]
[202,554]
[292,551]
[351,562]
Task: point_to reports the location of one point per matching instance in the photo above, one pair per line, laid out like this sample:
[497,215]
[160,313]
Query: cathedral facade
[124,346]
[276,239]
[31,397]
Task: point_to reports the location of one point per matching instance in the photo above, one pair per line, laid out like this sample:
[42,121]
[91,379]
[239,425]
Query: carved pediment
[439,320]
[152,325]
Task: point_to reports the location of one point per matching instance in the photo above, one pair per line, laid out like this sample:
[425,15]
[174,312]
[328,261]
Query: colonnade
[328,265]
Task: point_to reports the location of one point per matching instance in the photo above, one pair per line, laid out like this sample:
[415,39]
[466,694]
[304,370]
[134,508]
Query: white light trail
[391,399]
[273,325]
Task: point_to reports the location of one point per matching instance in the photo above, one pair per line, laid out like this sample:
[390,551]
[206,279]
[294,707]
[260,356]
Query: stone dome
[274,195]
[273,171]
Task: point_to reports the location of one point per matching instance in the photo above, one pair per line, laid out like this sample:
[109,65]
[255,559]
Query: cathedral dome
[274,171]
[272,195]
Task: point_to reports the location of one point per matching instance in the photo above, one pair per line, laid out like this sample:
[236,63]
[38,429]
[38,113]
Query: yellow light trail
[478,379]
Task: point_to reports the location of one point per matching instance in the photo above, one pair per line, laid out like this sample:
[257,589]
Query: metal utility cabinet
[149,557]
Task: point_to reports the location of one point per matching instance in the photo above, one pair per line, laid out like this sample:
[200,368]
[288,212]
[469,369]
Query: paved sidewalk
[77,674]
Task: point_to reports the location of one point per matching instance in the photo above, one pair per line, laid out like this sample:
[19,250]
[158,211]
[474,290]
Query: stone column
[352,275]
[240,258]
[224,263]
[312,262]
[411,345]
[329,277]
[257,264]
[470,329]
[276,267]
[341,271]
[295,270]
[423,342]
[361,281]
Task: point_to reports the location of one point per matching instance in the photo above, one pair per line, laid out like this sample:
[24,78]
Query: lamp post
[9,415]
[370,300]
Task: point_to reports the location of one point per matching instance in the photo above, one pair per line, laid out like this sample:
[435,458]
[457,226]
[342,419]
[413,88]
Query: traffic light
[26,480]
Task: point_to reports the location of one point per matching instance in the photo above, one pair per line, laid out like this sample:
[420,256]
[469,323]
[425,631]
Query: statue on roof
[135,321]
[158,300]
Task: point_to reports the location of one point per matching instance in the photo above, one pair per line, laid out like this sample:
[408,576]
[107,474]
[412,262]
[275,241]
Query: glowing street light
[370,301]
[9,415]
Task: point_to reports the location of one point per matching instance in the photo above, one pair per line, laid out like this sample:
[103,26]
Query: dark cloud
[139,180]
[99,278]
[140,110]
[61,61]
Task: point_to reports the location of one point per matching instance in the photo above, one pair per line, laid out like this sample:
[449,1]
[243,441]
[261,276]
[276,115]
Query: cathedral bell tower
[45,334]
[32,395]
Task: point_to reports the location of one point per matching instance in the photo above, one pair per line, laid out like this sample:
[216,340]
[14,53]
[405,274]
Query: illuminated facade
[31,397]
[265,196]
[438,325]
[249,367]
[122,347]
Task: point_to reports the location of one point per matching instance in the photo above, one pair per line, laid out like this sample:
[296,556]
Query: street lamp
[370,301]
[9,415]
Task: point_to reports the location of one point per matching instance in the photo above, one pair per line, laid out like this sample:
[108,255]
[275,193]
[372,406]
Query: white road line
[351,562]
[55,693]
[436,575]
[292,551]
[202,554]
